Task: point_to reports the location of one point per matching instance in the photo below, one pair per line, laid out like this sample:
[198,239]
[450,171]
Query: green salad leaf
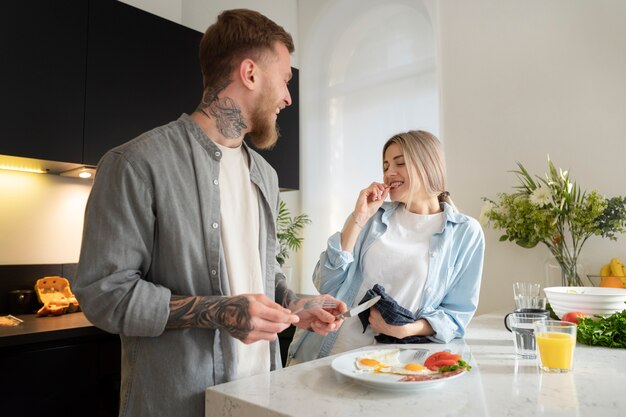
[608,331]
[460,365]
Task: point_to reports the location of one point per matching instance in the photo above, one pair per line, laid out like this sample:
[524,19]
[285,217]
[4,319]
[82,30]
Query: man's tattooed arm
[224,313]
[283,295]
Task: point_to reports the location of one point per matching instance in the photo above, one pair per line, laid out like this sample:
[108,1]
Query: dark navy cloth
[392,313]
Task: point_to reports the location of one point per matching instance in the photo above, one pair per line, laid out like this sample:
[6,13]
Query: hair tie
[444,194]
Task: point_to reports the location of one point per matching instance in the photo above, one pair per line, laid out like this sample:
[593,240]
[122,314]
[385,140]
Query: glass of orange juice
[556,341]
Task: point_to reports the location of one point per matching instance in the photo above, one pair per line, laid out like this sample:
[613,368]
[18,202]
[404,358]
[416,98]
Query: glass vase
[563,274]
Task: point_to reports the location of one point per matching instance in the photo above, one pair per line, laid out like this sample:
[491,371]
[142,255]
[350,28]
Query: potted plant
[288,230]
[554,211]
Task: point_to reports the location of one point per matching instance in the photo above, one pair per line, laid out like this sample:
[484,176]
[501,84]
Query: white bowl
[588,300]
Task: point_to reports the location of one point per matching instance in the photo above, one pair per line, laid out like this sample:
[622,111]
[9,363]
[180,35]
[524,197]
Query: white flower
[540,196]
[484,211]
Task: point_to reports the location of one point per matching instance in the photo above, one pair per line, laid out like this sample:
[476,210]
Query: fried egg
[388,362]
[410,369]
[377,361]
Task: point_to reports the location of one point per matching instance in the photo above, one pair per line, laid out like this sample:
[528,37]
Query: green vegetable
[460,365]
[553,315]
[608,331]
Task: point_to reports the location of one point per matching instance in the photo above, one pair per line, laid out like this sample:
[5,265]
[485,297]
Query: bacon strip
[431,377]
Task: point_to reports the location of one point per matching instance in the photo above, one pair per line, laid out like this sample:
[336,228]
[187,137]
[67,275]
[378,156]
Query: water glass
[522,327]
[556,341]
[526,295]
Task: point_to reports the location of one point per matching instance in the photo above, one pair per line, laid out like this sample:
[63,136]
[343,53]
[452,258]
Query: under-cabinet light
[85,171]
[23,169]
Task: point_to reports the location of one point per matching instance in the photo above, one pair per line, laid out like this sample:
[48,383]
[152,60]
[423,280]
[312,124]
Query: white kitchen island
[499,385]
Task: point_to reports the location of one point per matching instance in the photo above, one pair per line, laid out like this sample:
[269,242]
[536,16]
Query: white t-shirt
[239,210]
[399,262]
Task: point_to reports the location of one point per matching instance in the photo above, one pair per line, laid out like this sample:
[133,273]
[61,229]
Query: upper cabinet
[142,72]
[80,77]
[43,45]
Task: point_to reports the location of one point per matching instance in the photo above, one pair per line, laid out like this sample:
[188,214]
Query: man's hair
[236,35]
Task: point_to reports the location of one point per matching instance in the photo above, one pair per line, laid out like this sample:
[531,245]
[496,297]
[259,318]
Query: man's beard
[264,133]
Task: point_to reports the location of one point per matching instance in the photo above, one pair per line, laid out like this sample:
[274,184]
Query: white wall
[368,72]
[41,217]
[518,79]
[521,79]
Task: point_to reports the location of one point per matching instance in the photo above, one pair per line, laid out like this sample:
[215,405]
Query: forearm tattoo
[283,295]
[227,115]
[230,314]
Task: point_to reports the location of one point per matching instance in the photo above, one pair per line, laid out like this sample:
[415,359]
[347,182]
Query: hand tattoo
[221,313]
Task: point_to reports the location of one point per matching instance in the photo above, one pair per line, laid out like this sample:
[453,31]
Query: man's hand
[320,320]
[248,317]
[267,319]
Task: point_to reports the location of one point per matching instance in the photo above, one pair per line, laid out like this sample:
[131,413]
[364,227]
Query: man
[179,245]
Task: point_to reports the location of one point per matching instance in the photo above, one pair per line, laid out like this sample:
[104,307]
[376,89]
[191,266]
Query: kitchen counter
[36,329]
[499,385]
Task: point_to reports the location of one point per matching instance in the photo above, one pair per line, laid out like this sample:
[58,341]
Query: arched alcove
[368,70]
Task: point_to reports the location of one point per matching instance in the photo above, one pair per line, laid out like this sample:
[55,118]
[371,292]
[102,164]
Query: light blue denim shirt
[452,285]
[152,229]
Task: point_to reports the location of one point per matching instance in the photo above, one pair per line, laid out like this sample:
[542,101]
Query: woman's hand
[419,328]
[379,325]
[369,201]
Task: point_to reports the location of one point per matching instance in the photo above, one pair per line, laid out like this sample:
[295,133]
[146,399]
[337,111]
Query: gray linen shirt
[152,229]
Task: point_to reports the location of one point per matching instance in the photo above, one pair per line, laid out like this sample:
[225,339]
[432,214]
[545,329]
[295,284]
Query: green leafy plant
[609,331]
[288,232]
[556,212]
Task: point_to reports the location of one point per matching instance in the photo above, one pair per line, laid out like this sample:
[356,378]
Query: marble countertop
[499,385]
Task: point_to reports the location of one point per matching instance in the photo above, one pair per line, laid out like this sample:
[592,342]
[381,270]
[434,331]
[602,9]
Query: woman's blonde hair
[425,163]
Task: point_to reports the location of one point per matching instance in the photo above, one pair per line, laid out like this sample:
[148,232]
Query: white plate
[344,365]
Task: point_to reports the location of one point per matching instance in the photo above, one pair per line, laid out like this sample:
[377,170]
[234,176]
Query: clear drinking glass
[522,327]
[526,295]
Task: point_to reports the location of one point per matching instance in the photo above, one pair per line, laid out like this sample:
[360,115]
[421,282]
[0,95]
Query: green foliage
[288,229]
[556,212]
[608,331]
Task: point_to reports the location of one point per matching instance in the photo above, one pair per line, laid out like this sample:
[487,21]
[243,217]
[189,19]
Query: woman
[423,254]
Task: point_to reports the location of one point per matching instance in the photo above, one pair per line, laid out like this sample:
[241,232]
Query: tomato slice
[442,362]
[438,359]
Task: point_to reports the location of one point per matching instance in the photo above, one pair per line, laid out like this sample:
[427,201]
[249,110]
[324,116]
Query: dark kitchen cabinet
[142,72]
[43,45]
[70,377]
[284,157]
[81,77]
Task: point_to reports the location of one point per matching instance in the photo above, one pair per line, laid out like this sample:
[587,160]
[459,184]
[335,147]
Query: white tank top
[399,262]
[239,210]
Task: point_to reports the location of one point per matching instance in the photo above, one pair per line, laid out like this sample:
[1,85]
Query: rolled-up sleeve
[332,268]
[117,246]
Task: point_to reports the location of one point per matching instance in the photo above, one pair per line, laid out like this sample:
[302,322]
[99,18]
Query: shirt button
[216,182]
[213,272]
[217,153]
[433,254]
[215,225]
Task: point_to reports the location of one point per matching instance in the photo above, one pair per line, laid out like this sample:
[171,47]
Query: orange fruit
[611,282]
